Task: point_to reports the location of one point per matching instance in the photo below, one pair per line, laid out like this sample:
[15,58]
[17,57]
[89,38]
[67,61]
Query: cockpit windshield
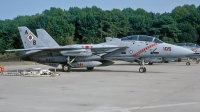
[142,38]
[157,41]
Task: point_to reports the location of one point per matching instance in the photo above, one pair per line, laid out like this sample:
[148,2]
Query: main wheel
[142,69]
[90,68]
[179,59]
[187,63]
[150,63]
[66,68]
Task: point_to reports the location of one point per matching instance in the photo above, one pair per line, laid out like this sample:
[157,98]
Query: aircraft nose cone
[182,52]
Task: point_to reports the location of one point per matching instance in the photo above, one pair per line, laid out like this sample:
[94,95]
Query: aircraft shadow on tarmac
[102,70]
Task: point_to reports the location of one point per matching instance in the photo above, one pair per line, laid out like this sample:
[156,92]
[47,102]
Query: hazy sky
[12,8]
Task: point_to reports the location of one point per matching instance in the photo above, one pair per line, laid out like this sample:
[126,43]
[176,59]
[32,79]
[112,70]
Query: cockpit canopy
[187,44]
[142,38]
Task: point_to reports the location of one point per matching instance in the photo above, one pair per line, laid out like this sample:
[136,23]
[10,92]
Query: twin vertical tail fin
[46,38]
[29,40]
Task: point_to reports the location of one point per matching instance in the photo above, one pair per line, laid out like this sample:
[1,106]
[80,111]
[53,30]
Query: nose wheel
[187,63]
[142,69]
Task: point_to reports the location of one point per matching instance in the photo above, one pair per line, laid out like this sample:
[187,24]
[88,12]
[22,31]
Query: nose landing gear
[188,61]
[142,69]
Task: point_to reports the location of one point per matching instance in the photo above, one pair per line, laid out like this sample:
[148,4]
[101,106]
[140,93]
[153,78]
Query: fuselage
[111,49]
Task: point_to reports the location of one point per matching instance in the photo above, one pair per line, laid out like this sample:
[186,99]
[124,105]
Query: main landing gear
[142,69]
[66,67]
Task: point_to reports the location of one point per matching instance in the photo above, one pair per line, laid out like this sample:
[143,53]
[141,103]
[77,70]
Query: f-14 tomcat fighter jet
[99,54]
[193,47]
[47,51]
[138,47]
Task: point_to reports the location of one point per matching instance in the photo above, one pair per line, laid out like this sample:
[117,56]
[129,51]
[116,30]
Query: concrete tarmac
[165,87]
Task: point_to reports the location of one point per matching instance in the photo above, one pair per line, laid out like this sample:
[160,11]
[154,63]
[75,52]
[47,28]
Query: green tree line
[92,25]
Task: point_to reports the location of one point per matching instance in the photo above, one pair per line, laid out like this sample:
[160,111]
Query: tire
[144,69]
[66,68]
[150,63]
[141,70]
[90,68]
[187,63]
[179,59]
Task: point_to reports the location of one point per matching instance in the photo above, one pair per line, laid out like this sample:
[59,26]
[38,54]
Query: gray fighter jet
[133,51]
[96,54]
[193,47]
[47,51]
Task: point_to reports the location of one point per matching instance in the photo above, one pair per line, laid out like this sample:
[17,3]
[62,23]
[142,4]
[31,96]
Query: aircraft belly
[86,64]
[149,54]
[153,59]
[170,59]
